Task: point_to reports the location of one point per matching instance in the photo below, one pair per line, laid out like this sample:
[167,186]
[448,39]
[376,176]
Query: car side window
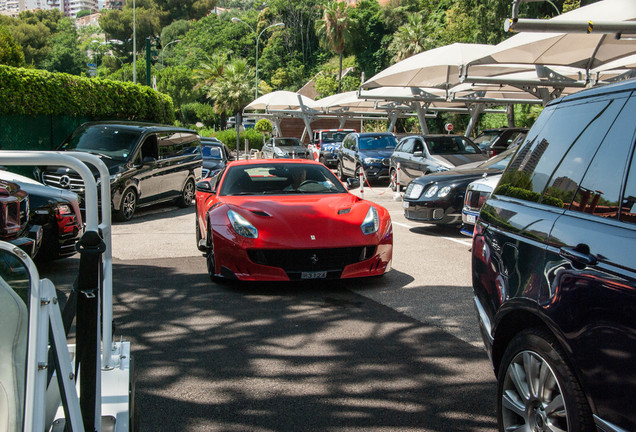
[407,145]
[628,204]
[542,170]
[600,190]
[418,146]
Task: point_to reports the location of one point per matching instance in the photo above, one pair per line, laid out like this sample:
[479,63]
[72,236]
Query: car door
[348,154]
[591,266]
[416,161]
[399,157]
[146,166]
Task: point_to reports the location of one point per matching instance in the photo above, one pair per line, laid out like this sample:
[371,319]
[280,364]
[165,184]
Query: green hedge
[36,92]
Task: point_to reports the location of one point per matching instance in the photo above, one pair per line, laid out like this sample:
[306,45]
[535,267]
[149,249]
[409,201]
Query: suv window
[112,141]
[538,164]
[600,189]
[406,146]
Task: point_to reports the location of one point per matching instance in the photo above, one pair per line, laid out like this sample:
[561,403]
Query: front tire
[536,388]
[341,174]
[187,195]
[127,207]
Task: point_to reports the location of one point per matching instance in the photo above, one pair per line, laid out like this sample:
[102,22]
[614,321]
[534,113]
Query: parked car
[368,152]
[215,156]
[274,220]
[494,141]
[56,210]
[553,277]
[148,163]
[477,193]
[14,219]
[421,155]
[438,198]
[325,144]
[284,147]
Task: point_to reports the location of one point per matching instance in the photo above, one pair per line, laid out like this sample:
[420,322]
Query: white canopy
[279,100]
[581,50]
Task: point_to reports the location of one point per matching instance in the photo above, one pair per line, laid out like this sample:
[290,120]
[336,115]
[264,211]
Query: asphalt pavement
[397,353]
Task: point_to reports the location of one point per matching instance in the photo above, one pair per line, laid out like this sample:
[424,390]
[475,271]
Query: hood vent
[344,211]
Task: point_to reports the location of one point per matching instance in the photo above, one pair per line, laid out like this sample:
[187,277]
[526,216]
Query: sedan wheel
[537,391]
[128,206]
[187,195]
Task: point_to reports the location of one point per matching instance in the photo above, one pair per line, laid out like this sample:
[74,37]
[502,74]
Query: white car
[477,193]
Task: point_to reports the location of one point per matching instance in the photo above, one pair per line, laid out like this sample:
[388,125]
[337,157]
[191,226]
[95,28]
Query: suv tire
[127,207]
[522,399]
[187,195]
[341,174]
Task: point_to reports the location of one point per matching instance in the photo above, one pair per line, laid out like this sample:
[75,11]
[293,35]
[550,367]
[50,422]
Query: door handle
[578,255]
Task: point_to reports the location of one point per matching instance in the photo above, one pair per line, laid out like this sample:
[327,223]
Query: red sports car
[280,220]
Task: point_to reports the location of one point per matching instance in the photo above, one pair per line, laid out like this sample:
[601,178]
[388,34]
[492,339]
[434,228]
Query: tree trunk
[340,75]
[510,115]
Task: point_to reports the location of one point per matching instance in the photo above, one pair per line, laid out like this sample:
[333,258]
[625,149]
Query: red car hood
[306,221]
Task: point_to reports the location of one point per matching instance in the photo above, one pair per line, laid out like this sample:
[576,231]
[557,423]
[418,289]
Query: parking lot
[398,353]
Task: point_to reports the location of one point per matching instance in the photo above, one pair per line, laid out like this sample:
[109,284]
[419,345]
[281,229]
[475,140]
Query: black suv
[148,163]
[368,151]
[553,276]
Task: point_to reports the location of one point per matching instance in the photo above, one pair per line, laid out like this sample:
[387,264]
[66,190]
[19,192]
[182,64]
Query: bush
[37,92]
[195,112]
[228,137]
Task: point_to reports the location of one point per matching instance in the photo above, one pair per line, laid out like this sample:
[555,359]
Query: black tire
[520,406]
[187,195]
[322,160]
[197,231]
[341,174]
[127,207]
[393,182]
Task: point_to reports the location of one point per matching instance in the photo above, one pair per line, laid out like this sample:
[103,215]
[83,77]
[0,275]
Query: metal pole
[134,46]
[176,40]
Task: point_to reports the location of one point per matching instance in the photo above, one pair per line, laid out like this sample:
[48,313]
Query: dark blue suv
[553,277]
[368,151]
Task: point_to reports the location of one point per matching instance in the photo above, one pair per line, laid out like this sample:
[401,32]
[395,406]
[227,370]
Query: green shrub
[228,137]
[37,92]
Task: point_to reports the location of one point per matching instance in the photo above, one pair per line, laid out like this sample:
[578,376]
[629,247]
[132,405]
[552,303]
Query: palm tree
[333,30]
[409,39]
[232,90]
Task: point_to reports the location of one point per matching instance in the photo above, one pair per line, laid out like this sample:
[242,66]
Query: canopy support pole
[475,111]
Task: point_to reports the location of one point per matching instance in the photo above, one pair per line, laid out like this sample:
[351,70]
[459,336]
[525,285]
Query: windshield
[486,137]
[211,152]
[331,137]
[377,142]
[286,142]
[112,141]
[448,145]
[499,162]
[280,179]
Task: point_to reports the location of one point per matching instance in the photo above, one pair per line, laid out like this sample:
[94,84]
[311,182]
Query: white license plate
[405,204]
[471,219]
[313,275]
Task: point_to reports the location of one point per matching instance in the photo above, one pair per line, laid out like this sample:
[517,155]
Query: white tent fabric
[586,51]
[438,67]
[279,100]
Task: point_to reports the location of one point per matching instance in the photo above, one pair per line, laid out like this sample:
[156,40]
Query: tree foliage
[10,50]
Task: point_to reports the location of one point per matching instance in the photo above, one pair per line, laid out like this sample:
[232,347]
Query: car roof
[272,162]
[620,86]
[139,126]
[366,134]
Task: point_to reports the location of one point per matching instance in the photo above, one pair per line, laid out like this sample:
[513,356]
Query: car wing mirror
[204,186]
[148,160]
[418,153]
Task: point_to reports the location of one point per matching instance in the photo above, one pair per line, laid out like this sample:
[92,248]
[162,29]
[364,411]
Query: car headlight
[241,225]
[371,222]
[430,192]
[370,161]
[113,179]
[444,191]
[414,191]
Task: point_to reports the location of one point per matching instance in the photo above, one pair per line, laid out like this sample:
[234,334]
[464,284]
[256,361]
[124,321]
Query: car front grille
[297,260]
[69,181]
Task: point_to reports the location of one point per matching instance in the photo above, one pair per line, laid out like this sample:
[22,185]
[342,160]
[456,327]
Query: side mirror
[204,186]
[148,160]
[418,153]
[353,183]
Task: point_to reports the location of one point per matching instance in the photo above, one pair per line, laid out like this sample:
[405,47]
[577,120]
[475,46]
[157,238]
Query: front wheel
[187,195]
[127,207]
[341,174]
[537,390]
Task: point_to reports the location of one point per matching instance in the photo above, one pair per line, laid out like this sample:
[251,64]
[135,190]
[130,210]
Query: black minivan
[148,163]
[554,269]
